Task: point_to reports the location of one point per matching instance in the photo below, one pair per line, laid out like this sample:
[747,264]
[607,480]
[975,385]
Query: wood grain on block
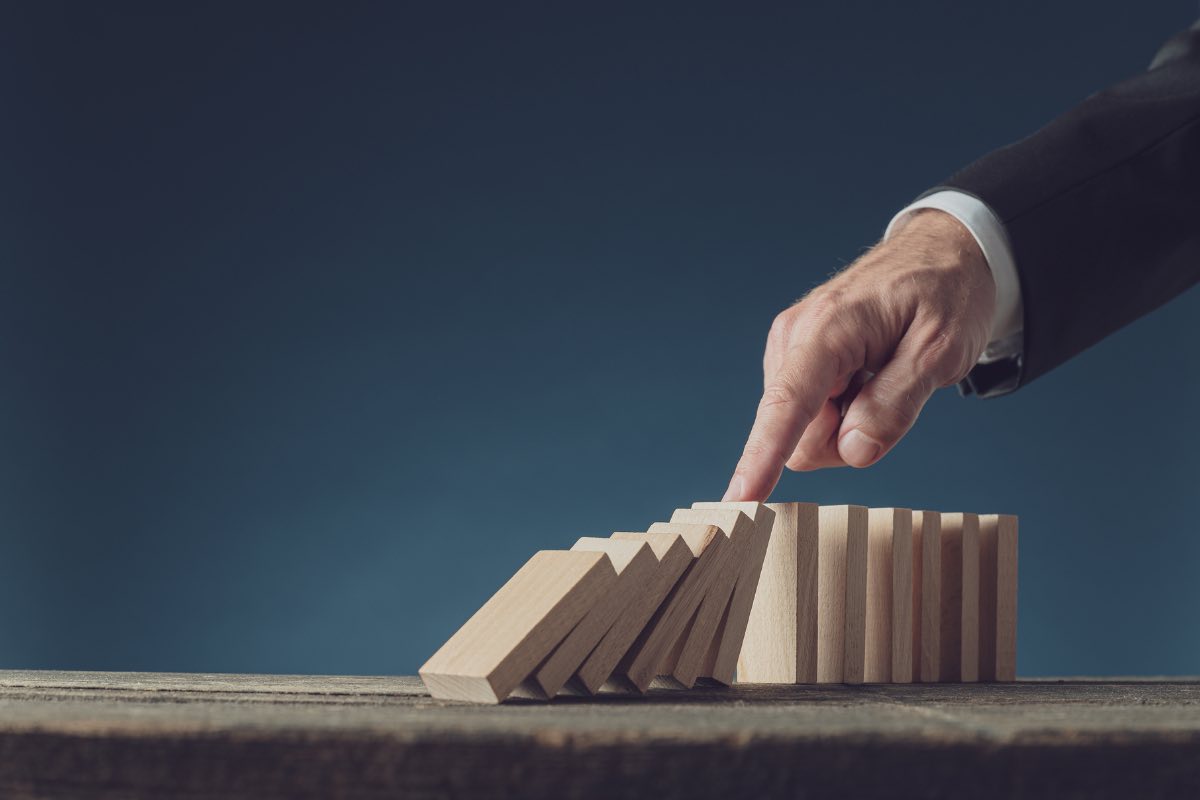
[722,660]
[888,648]
[878,647]
[498,647]
[902,610]
[997,597]
[635,563]
[640,665]
[841,593]
[740,530]
[676,553]
[781,634]
[960,598]
[856,593]
[928,526]
[915,604]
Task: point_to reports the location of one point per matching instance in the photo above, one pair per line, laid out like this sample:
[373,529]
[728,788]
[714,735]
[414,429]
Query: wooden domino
[779,593]
[997,597]
[704,633]
[841,593]
[722,662]
[642,663]
[676,553]
[498,647]
[781,633]
[960,598]
[889,637]
[634,562]
[927,538]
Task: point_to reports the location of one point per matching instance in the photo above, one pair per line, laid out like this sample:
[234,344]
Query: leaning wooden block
[635,563]
[888,649]
[498,647]
[676,553]
[960,598]
[739,530]
[653,646]
[997,597]
[841,593]
[722,662]
[927,641]
[715,636]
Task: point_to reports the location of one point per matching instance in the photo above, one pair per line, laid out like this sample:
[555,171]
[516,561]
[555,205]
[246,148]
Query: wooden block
[781,635]
[635,563]
[997,597]
[498,647]
[888,648]
[676,553]
[915,599]
[960,598]
[641,664]
[841,593]
[740,531]
[927,528]
[722,662]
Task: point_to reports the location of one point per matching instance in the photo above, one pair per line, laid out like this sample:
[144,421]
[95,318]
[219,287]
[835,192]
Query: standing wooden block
[498,647]
[740,530]
[676,554]
[635,563]
[781,634]
[927,531]
[720,663]
[841,593]
[888,651]
[997,597]
[960,598]
[653,646]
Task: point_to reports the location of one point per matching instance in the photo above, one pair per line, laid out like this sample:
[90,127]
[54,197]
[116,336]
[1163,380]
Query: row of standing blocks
[884,595]
[683,601]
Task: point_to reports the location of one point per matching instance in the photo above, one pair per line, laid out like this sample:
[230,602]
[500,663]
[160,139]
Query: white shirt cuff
[989,233]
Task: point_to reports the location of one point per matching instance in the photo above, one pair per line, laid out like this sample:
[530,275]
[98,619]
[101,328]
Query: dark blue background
[316,323]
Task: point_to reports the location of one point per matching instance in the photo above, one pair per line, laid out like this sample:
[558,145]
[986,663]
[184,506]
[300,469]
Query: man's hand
[848,368]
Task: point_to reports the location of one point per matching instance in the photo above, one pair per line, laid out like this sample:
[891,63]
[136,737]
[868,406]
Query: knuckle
[755,451]
[941,356]
[823,306]
[776,395]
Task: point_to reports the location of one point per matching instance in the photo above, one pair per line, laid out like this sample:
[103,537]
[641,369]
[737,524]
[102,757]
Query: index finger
[789,403]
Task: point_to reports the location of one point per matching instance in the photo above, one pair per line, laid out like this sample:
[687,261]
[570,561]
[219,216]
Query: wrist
[943,241]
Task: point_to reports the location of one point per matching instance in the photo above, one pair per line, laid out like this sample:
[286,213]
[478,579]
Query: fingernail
[737,488]
[857,449]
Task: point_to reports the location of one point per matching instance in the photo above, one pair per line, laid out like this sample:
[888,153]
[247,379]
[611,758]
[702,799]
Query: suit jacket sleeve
[1102,209]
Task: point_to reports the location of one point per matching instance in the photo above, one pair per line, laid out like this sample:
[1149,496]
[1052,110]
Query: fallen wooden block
[960,598]
[841,593]
[722,662]
[927,646]
[676,553]
[634,562]
[653,646]
[997,597]
[502,643]
[889,636]
[705,632]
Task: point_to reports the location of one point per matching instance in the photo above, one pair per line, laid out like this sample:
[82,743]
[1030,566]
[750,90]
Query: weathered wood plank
[109,735]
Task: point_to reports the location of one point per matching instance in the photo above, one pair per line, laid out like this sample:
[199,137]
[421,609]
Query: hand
[848,368]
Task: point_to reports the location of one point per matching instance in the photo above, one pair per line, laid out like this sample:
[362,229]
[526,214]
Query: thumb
[884,410]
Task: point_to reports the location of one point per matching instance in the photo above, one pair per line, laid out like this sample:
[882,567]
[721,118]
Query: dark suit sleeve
[1102,209]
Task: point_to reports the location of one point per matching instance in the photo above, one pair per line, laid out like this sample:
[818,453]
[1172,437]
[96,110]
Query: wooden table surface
[134,735]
